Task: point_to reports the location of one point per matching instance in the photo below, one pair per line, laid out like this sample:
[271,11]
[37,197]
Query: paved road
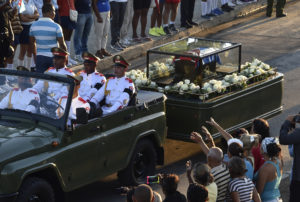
[275,41]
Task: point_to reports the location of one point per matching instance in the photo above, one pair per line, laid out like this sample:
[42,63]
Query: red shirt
[258,158]
[64,7]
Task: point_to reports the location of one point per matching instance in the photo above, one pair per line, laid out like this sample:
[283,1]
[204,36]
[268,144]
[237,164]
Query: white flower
[167,88]
[138,82]
[202,97]
[152,84]
[209,90]
[144,81]
[213,81]
[186,81]
[156,64]
[257,72]
[227,78]
[184,87]
[242,78]
[235,80]
[271,72]
[206,85]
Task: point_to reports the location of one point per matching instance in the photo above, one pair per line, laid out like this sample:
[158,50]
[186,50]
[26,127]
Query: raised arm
[196,137]
[225,134]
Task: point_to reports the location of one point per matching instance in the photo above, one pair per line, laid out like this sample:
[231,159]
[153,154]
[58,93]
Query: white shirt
[87,86]
[27,8]
[115,97]
[20,100]
[77,102]
[55,88]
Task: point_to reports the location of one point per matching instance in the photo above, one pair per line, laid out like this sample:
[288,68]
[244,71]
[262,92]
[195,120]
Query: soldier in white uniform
[117,91]
[92,80]
[23,98]
[56,89]
[77,102]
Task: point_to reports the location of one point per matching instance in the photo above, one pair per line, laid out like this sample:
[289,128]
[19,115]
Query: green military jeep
[41,157]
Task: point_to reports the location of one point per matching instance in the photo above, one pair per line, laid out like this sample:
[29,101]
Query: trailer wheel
[141,165]
[35,190]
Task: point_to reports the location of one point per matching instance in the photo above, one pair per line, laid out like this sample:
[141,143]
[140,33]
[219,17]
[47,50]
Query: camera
[153,179]
[297,118]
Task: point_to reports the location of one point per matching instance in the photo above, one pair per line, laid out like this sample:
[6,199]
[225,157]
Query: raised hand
[196,137]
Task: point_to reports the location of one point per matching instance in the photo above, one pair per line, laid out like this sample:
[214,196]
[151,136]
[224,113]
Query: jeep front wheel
[35,190]
[141,165]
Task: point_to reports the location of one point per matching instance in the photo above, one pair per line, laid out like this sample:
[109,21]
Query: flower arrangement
[250,73]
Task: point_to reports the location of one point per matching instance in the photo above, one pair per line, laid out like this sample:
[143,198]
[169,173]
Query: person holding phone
[290,135]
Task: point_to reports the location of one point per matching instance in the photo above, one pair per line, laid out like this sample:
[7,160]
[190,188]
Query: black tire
[35,189]
[141,165]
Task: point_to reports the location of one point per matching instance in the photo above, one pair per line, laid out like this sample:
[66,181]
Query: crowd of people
[36,26]
[250,171]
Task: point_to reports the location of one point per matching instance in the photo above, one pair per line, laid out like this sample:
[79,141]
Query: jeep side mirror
[81,116]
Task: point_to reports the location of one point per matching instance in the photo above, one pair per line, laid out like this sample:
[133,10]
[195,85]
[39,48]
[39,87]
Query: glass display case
[195,59]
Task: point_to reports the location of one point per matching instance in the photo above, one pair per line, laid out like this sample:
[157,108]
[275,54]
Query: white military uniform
[18,99]
[113,91]
[77,102]
[55,88]
[87,86]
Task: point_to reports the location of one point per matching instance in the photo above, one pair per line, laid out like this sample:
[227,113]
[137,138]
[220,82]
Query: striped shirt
[221,178]
[45,31]
[244,186]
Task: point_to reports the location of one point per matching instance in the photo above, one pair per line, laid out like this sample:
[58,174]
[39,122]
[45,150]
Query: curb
[138,50]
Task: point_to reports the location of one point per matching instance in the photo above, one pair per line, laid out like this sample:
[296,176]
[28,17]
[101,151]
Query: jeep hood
[22,141]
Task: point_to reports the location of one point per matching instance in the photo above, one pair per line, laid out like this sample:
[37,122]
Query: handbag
[72,13]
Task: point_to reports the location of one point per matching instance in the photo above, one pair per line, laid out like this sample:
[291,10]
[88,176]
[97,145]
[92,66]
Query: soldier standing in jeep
[117,91]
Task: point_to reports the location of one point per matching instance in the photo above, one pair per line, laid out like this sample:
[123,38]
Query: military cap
[90,58]
[76,78]
[22,68]
[120,61]
[59,52]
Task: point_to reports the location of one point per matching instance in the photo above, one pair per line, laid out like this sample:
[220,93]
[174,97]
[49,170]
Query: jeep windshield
[36,96]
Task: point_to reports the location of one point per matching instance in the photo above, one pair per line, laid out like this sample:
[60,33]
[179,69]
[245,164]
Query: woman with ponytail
[268,177]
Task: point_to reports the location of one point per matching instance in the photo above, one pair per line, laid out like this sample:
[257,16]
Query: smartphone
[153,179]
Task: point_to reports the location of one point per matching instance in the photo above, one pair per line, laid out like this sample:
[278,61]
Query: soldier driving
[23,98]
[56,89]
[77,102]
[117,90]
[92,80]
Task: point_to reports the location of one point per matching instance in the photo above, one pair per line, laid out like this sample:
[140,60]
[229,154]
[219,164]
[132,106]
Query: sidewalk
[140,49]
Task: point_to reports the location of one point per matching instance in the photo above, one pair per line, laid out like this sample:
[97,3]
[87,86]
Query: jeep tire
[35,189]
[141,165]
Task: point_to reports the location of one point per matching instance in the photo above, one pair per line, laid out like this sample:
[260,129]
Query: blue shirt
[45,31]
[103,5]
[83,6]
[250,170]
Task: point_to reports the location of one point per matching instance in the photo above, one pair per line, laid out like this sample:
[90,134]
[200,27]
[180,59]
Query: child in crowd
[240,187]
